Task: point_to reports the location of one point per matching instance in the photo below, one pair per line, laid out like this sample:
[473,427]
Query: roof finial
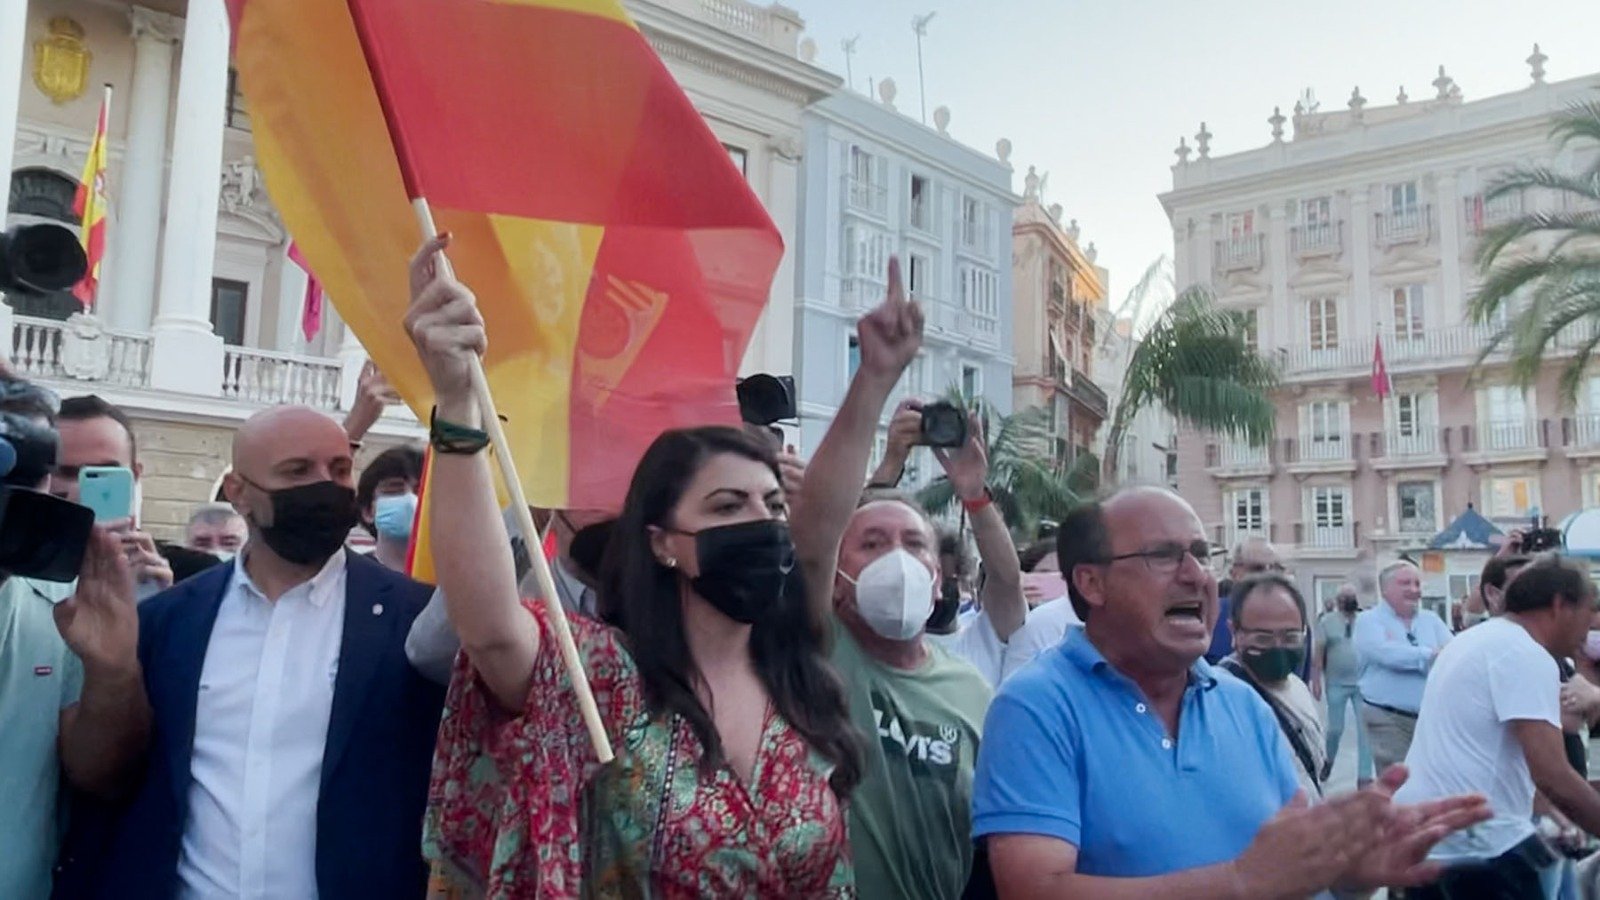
[1183,151]
[1401,98]
[1536,63]
[1356,103]
[1276,120]
[1442,84]
[1202,141]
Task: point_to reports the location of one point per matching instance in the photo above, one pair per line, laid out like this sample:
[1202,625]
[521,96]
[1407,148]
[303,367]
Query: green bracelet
[448,437]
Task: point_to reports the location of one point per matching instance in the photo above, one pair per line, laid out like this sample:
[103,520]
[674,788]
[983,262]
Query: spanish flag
[90,207]
[619,258]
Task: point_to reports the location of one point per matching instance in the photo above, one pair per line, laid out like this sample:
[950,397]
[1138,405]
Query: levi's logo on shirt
[930,749]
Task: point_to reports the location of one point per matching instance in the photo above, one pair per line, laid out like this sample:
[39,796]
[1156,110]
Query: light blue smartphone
[108,490]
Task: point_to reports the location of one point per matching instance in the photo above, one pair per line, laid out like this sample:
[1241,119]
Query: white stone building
[197,324]
[877,182]
[1357,225]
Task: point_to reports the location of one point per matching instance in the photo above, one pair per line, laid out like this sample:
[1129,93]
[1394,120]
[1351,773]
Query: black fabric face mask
[310,521]
[745,568]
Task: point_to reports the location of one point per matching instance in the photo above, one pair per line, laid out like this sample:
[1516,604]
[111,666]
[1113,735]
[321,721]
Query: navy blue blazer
[375,768]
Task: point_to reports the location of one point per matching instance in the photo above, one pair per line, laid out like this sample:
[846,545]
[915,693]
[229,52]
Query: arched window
[42,195]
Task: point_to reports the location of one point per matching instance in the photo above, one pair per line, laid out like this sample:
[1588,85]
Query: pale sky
[1098,93]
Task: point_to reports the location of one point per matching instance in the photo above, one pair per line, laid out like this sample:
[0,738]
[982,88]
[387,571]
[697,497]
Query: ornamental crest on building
[61,61]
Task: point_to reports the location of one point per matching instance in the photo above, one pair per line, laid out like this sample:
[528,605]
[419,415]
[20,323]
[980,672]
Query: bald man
[291,739]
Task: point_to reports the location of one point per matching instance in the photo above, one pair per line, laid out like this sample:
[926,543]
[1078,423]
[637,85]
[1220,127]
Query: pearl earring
[672,562]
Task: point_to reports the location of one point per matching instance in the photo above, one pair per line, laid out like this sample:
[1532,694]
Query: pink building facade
[1361,227]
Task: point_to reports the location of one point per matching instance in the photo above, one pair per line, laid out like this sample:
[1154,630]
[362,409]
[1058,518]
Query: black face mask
[310,521]
[745,568]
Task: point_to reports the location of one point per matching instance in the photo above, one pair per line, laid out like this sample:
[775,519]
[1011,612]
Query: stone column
[1278,272]
[13,42]
[352,356]
[1200,261]
[1361,326]
[133,283]
[1452,308]
[187,356]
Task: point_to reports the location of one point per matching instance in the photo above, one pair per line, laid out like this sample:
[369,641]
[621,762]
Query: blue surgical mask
[392,516]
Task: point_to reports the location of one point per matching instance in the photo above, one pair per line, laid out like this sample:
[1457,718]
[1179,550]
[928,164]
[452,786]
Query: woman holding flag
[735,752]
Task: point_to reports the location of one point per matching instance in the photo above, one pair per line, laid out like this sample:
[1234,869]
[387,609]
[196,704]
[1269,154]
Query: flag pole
[530,533]
[491,417]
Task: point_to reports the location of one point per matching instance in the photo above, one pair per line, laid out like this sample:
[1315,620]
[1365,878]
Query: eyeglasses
[1164,559]
[1411,638]
[1258,568]
[1257,637]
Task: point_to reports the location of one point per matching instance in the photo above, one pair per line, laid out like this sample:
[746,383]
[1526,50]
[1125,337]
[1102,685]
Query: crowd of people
[809,688]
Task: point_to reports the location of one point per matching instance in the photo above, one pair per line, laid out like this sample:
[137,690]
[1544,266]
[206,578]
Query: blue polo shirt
[1071,750]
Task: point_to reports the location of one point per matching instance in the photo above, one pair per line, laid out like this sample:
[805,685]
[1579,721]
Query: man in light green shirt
[911,817]
[39,677]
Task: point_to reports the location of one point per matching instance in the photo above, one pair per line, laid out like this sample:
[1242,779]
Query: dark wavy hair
[641,598]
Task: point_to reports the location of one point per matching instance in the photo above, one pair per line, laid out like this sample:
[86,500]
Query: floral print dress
[520,808]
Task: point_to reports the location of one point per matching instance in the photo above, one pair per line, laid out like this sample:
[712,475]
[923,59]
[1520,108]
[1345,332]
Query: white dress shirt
[261,723]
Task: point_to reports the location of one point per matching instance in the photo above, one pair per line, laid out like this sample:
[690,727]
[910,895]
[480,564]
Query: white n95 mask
[894,595]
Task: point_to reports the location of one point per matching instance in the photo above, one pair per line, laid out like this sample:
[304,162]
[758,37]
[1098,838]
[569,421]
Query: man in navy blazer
[291,739]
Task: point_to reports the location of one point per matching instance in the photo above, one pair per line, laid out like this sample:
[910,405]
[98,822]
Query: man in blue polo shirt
[1121,764]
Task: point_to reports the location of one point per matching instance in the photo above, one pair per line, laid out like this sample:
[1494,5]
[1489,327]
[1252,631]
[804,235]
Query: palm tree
[1551,260]
[1195,361]
[1028,486]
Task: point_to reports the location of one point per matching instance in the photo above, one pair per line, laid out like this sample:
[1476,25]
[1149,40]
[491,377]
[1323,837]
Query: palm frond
[1541,271]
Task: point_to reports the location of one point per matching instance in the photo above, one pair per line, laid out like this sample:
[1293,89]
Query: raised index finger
[896,296]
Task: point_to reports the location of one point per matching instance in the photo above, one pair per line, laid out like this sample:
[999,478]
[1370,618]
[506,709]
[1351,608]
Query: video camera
[40,259]
[41,536]
[765,399]
[1541,537]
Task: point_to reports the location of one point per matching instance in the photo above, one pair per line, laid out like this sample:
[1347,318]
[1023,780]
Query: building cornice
[999,172]
[675,36]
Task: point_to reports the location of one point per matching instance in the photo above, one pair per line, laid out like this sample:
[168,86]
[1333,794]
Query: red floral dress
[521,808]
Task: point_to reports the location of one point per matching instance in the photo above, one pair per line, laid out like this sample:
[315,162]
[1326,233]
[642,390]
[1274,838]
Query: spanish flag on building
[90,208]
[619,258]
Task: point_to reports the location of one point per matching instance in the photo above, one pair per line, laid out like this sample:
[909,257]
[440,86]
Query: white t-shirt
[1046,625]
[978,643]
[1486,678]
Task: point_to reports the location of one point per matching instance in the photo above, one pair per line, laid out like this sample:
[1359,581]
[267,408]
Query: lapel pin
[377,609]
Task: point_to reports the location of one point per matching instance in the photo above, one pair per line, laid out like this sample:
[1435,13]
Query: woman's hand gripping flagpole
[530,533]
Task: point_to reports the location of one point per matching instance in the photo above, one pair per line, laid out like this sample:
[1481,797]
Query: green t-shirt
[911,816]
[1341,667]
[39,677]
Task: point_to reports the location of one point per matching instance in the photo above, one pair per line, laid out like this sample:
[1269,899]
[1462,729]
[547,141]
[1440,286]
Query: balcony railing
[1317,240]
[984,328]
[1330,537]
[1405,226]
[1508,434]
[50,348]
[262,376]
[1481,213]
[1585,431]
[1433,347]
[1240,253]
[1326,448]
[1421,442]
[1232,455]
[865,196]
[1087,394]
[861,293]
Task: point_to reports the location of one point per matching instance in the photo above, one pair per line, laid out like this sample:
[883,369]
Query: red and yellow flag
[90,208]
[619,258]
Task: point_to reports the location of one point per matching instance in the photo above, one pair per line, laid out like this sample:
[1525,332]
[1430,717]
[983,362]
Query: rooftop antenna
[919,25]
[849,51]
